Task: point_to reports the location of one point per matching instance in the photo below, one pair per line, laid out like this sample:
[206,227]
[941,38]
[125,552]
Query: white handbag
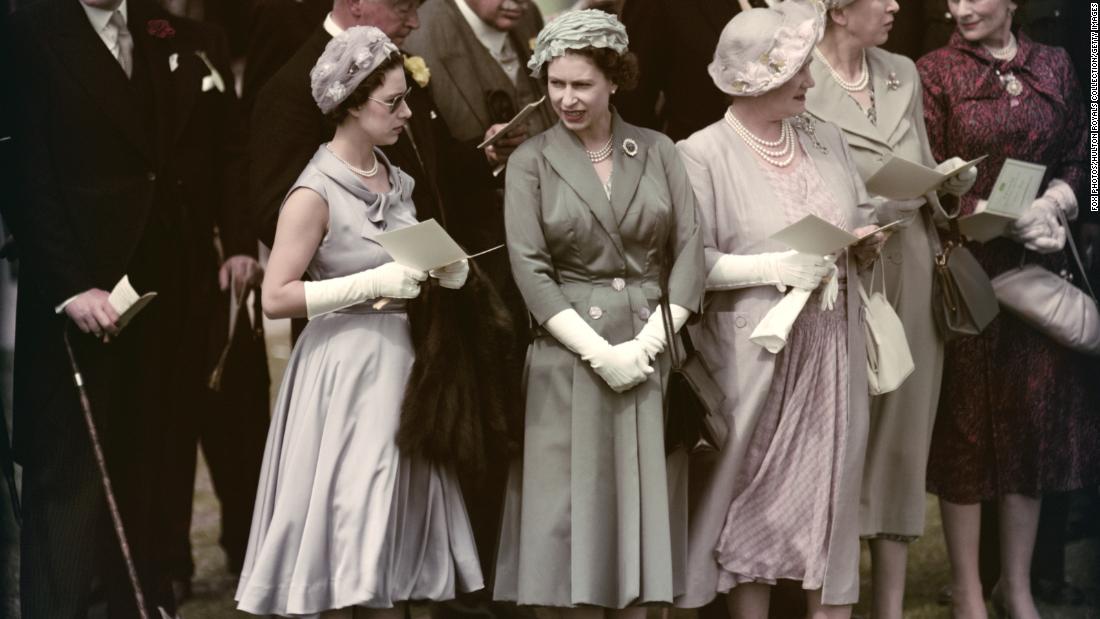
[889,360]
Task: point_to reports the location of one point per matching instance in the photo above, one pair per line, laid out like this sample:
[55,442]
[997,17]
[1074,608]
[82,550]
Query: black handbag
[693,400]
[963,302]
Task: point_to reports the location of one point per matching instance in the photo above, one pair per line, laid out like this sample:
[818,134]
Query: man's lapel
[170,112]
[566,155]
[458,54]
[90,63]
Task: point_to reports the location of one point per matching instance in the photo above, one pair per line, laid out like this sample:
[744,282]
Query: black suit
[674,41]
[115,179]
[287,127]
[277,28]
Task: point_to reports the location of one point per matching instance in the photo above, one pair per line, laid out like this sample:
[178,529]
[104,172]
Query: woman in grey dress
[874,96]
[783,499]
[595,210]
[345,524]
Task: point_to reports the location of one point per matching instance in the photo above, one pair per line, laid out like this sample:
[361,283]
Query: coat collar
[829,101]
[566,154]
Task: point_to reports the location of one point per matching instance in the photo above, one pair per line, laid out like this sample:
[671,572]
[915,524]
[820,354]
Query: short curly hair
[619,69]
[365,88]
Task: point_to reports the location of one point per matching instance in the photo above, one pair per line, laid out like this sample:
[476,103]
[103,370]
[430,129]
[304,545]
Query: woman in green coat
[595,211]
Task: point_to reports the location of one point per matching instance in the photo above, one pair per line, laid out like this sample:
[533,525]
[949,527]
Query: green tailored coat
[595,514]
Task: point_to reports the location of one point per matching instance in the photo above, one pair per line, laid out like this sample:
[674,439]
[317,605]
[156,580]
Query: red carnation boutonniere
[160,28]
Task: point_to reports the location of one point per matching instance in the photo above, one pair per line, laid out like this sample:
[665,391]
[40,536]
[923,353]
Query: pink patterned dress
[778,527]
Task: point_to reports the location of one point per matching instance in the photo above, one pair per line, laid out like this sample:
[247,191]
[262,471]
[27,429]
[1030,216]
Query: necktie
[125,43]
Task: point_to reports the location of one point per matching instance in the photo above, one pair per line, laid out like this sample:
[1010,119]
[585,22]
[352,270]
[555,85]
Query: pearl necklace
[1008,52]
[860,82]
[781,157]
[369,173]
[596,156]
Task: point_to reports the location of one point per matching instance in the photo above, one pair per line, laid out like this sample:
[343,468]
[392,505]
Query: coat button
[151,176]
[595,312]
[740,322]
[618,284]
[644,313]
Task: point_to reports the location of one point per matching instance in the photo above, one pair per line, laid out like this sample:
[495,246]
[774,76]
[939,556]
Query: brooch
[807,125]
[892,81]
[630,147]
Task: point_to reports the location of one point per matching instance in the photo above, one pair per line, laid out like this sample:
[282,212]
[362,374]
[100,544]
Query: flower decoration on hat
[347,60]
[418,69]
[577,30]
[762,49]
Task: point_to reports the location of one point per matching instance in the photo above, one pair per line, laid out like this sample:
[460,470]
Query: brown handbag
[963,302]
[693,400]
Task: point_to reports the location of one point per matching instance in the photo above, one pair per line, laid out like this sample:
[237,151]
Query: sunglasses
[395,102]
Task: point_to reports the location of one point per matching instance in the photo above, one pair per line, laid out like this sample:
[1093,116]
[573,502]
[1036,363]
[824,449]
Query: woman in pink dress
[1014,421]
[784,501]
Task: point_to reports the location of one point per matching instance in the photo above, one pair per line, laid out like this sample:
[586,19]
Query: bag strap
[1076,256]
[670,334]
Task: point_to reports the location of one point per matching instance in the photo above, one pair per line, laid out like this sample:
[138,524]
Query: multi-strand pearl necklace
[779,153]
[370,172]
[860,82]
[1008,52]
[596,156]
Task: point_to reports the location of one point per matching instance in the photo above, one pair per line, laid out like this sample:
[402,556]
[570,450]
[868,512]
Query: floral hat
[347,60]
[761,49]
[577,30]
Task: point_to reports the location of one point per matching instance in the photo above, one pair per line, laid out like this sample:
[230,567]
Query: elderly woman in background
[874,96]
[598,215]
[784,499]
[1014,420]
[346,523]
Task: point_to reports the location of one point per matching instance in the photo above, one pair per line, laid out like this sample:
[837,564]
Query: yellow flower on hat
[418,69]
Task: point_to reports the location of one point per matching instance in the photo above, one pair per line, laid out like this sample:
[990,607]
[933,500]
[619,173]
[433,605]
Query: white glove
[621,367]
[788,268]
[392,280]
[453,275]
[652,335]
[887,210]
[961,182]
[832,287]
[1040,219]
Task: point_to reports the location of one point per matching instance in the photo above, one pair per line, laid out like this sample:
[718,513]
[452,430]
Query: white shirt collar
[332,27]
[99,17]
[489,36]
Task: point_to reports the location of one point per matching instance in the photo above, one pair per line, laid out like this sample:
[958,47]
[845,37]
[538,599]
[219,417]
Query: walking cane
[101,463]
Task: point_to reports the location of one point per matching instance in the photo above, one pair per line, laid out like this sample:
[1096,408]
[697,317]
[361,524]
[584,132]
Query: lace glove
[887,210]
[961,182]
[621,367]
[453,275]
[392,280]
[782,269]
[652,335]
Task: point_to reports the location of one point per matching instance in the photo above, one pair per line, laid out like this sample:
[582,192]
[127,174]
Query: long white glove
[621,367]
[453,275]
[652,336]
[782,269]
[887,210]
[392,280]
[961,182]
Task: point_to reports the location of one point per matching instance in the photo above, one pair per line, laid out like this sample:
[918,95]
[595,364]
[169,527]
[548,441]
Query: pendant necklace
[779,153]
[369,172]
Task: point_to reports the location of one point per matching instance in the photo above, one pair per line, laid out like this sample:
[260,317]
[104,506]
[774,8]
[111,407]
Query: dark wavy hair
[365,88]
[619,69]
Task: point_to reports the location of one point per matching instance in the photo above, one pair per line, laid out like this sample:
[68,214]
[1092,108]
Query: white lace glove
[391,280]
[453,275]
[961,182]
[652,336]
[782,269]
[621,367]
[887,210]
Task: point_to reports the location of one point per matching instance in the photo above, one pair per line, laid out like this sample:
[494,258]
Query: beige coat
[596,515]
[893,492]
[732,196]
